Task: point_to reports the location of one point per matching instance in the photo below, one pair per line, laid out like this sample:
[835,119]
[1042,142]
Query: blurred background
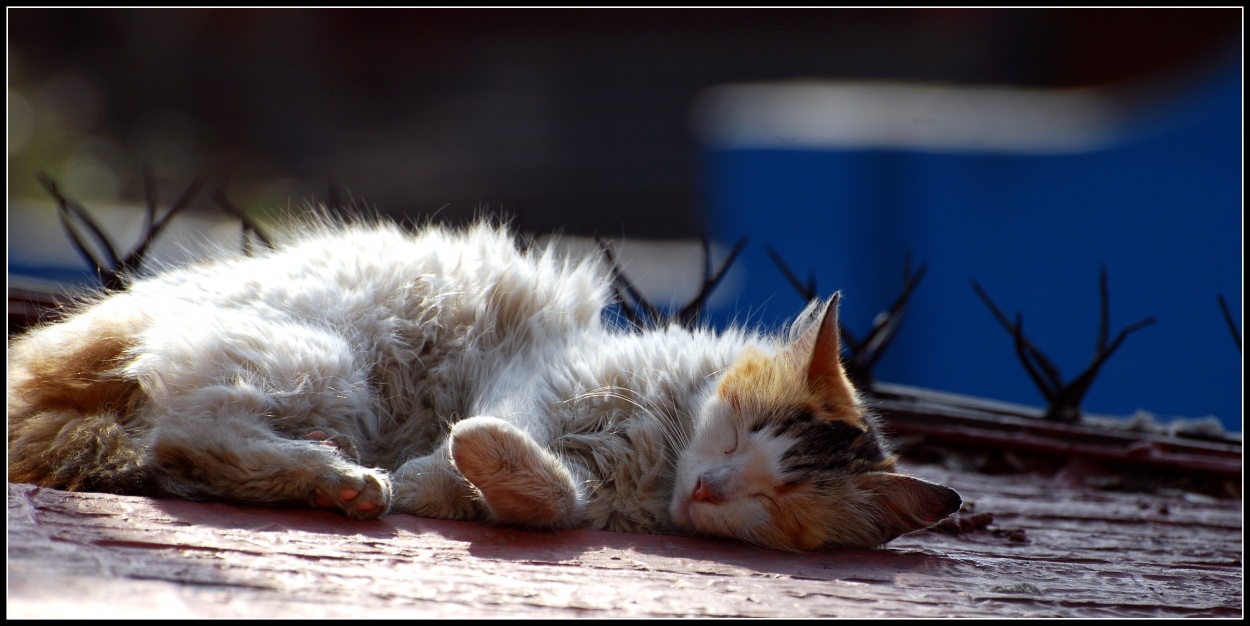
[1023,149]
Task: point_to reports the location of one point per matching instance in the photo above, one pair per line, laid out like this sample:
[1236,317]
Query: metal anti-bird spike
[1063,399]
[1228,319]
[642,312]
[249,227]
[862,355]
[68,211]
[113,269]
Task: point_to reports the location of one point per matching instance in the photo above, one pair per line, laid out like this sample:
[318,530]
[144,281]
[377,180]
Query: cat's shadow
[594,548]
[612,550]
[229,516]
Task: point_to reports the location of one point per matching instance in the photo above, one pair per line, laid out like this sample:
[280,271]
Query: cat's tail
[69,406]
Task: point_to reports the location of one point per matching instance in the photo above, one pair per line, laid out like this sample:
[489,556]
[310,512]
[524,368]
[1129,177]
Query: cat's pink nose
[703,494]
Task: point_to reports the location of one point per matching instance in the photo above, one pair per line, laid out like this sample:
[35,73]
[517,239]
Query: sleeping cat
[447,373]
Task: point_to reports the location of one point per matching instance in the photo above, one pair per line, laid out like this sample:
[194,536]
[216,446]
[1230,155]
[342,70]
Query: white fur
[449,374]
[390,338]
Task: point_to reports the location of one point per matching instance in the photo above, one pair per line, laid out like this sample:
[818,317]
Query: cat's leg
[341,443]
[234,455]
[520,482]
[514,480]
[430,486]
[257,410]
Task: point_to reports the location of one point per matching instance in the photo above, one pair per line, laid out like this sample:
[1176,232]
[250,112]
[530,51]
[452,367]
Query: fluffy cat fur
[447,373]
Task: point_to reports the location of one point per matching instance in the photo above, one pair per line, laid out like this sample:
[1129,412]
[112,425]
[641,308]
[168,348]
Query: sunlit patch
[785,455]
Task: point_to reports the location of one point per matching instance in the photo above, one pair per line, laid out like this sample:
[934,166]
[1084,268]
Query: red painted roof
[1029,547]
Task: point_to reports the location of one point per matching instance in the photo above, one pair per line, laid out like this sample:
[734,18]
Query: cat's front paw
[359,492]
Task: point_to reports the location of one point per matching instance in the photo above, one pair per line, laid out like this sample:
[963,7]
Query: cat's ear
[901,504]
[825,374]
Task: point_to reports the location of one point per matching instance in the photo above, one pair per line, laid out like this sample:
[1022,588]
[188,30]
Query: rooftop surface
[1025,546]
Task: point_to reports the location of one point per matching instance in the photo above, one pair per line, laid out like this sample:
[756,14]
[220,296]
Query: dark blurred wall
[571,119]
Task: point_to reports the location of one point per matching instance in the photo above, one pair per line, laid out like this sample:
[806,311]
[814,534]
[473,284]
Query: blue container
[1155,196]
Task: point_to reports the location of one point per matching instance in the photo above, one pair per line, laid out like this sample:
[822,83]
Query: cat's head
[783,454]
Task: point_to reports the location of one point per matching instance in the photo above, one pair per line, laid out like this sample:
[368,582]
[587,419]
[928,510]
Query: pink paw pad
[336,442]
[345,495]
[320,436]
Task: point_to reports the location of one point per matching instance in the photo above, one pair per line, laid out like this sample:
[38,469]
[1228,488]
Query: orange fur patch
[67,411]
[763,382]
[801,520]
[750,376]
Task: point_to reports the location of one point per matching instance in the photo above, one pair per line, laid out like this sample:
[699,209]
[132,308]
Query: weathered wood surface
[1051,550]
[940,418]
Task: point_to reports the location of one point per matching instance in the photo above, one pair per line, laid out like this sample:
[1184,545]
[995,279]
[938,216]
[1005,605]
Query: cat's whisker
[671,432]
[674,435]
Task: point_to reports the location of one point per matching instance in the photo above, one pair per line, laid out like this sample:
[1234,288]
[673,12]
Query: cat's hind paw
[360,493]
[520,482]
[345,445]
